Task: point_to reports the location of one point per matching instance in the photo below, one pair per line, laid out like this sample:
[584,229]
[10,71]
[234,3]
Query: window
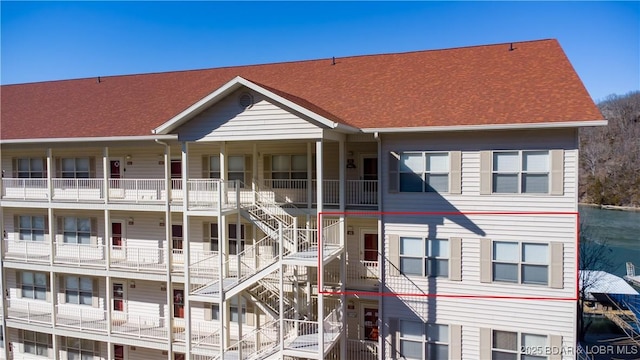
[371,324]
[80,349]
[178,303]
[233,311]
[508,345]
[75,168]
[118,296]
[521,172]
[30,168]
[415,345]
[233,238]
[31,228]
[34,285]
[424,257]
[525,263]
[176,168]
[176,237]
[77,230]
[79,290]
[36,343]
[118,352]
[424,172]
[289,167]
[235,167]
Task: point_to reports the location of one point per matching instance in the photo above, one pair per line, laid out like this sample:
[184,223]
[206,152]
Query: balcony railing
[79,254]
[362,350]
[29,251]
[201,193]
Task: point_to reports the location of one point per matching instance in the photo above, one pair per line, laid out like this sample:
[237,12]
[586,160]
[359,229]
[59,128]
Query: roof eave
[231,86]
[520,126]
[90,139]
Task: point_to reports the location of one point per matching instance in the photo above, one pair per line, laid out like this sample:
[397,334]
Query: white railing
[206,194]
[362,192]
[81,317]
[253,259]
[292,191]
[257,343]
[202,333]
[79,254]
[31,311]
[362,270]
[330,192]
[199,266]
[25,189]
[77,189]
[362,350]
[137,190]
[137,326]
[138,258]
[294,329]
[31,251]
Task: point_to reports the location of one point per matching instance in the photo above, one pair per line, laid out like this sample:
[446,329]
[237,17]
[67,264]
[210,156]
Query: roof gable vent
[245,100]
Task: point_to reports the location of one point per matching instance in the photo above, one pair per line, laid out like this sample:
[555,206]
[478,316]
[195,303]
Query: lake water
[621,229]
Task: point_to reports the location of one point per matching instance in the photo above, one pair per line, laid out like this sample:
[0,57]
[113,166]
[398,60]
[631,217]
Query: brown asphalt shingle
[535,83]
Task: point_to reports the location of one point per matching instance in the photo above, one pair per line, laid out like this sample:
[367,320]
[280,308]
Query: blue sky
[43,41]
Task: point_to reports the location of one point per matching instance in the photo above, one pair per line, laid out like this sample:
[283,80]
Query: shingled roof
[479,85]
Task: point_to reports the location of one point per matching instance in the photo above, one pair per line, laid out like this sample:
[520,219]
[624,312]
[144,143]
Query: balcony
[201,193]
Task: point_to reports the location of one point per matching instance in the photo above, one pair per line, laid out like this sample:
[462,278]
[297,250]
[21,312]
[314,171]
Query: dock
[631,276]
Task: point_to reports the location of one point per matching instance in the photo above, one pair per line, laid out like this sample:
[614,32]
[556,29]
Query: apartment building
[395,206]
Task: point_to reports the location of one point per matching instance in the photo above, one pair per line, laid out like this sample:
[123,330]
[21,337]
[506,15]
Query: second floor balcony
[199,193]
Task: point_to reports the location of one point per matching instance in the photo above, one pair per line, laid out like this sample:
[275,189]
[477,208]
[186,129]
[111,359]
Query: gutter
[90,139]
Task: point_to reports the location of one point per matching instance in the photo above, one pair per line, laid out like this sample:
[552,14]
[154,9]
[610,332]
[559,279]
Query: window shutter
[485,343]
[485,172]
[16,227]
[557,172]
[395,337]
[58,167]
[206,236]
[208,313]
[59,229]
[394,255]
[248,170]
[205,167]
[62,297]
[555,343]
[485,260]
[48,293]
[19,284]
[95,301]
[46,227]
[556,267]
[250,314]
[92,167]
[267,169]
[20,340]
[94,231]
[455,342]
[455,172]
[14,166]
[455,259]
[394,159]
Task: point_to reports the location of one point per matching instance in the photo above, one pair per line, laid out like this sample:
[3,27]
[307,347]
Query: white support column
[52,275]
[107,238]
[343,258]
[108,286]
[186,253]
[254,171]
[105,173]
[50,174]
[319,204]
[3,286]
[281,283]
[309,179]
[107,243]
[381,250]
[169,249]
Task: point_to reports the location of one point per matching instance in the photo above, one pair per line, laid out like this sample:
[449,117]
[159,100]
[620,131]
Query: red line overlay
[452,213]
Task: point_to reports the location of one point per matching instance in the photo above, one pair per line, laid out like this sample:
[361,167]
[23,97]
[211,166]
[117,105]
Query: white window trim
[424,340]
[520,171]
[31,229]
[215,244]
[77,232]
[36,344]
[30,172]
[425,258]
[79,290]
[520,263]
[64,173]
[33,286]
[521,350]
[424,173]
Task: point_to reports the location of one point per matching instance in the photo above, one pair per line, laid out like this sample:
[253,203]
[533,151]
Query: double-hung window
[79,290]
[424,172]
[289,171]
[30,168]
[75,168]
[233,311]
[36,343]
[31,228]
[507,345]
[235,168]
[233,238]
[33,285]
[422,341]
[80,349]
[521,172]
[524,263]
[424,257]
[77,230]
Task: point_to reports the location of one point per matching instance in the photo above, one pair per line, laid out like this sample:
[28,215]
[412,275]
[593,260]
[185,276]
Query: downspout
[167,227]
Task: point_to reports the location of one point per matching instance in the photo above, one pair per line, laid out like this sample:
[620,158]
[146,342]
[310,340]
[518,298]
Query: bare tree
[595,254]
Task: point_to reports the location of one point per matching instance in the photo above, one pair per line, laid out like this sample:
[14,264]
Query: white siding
[228,121]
